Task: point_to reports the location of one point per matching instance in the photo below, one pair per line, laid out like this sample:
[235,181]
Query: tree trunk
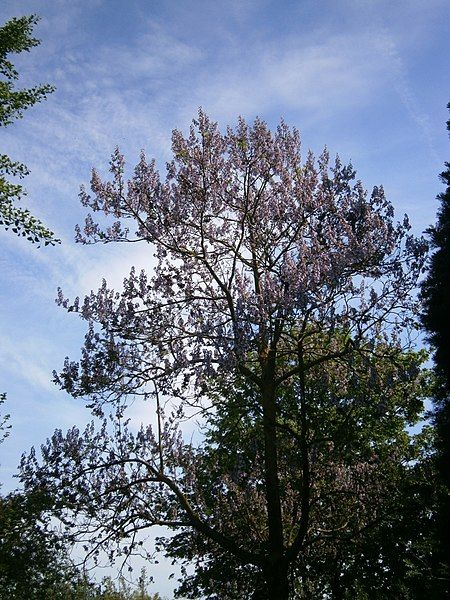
[276,570]
[273,500]
[277,582]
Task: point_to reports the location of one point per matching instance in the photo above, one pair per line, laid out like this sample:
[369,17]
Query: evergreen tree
[435,319]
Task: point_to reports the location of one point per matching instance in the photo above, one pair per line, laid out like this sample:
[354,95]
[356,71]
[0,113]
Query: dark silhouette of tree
[34,560]
[16,37]
[436,322]
[274,274]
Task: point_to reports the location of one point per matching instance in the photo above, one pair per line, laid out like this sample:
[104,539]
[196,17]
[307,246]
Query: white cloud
[317,78]
[27,359]
[113,265]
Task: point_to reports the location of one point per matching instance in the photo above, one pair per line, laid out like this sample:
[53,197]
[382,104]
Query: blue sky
[368,78]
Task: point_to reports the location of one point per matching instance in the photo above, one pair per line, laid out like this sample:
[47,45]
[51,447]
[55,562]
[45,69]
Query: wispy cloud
[26,358]
[318,79]
[398,75]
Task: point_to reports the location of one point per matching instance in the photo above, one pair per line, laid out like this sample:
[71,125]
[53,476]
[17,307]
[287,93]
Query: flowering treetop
[261,257]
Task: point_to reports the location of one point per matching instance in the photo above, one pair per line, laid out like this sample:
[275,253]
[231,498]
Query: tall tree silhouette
[436,297]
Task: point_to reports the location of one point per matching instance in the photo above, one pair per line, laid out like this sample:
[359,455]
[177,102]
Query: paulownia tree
[269,271]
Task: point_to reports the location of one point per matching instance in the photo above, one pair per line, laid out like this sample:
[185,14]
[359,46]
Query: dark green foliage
[16,37]
[435,319]
[436,288]
[436,298]
[369,486]
[33,561]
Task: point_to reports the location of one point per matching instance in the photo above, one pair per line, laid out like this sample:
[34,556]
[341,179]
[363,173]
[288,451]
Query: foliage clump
[16,37]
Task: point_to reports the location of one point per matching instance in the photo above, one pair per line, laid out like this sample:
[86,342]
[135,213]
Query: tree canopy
[280,309]
[16,37]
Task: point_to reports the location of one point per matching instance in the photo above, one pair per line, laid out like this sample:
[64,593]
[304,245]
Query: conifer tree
[436,321]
